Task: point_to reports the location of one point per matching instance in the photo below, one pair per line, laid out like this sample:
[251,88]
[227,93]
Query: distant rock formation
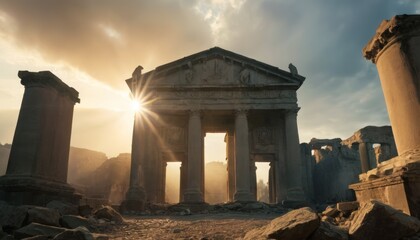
[83,162]
[110,180]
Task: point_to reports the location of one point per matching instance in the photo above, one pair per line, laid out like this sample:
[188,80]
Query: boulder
[296,224]
[108,213]
[374,216]
[44,215]
[84,210]
[79,233]
[11,217]
[35,229]
[64,208]
[72,221]
[327,231]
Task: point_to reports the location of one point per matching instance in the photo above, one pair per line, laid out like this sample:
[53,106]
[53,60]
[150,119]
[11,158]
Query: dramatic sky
[94,45]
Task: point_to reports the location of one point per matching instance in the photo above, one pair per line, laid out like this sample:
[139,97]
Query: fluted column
[293,160]
[194,191]
[242,161]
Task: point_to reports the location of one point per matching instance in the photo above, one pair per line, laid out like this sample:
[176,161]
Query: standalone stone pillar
[194,191]
[293,160]
[242,159]
[37,168]
[136,196]
[396,52]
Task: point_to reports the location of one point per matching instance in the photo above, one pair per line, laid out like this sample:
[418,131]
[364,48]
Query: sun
[136,106]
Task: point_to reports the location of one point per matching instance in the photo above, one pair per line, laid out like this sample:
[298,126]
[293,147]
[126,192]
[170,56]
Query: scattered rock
[327,231]
[254,206]
[108,213]
[233,206]
[44,215]
[64,208]
[11,217]
[393,224]
[84,210]
[72,221]
[296,224]
[35,229]
[79,233]
[185,212]
[347,207]
[330,212]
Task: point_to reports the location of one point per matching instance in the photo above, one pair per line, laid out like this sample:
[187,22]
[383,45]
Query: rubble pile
[57,220]
[346,220]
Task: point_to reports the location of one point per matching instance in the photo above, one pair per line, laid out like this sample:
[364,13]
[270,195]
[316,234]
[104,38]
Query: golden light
[136,106]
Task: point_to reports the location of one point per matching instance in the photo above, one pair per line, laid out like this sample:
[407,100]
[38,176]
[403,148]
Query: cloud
[106,39]
[324,39]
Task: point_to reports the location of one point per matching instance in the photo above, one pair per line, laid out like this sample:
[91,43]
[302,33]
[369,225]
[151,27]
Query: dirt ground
[197,226]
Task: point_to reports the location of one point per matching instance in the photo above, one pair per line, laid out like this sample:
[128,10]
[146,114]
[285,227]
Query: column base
[394,182]
[244,197]
[134,201]
[29,190]
[193,196]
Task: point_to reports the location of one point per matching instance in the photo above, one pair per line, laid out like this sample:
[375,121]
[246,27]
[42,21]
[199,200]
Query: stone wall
[331,165]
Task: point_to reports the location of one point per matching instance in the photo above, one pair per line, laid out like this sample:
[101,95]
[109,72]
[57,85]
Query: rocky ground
[249,221]
[201,226]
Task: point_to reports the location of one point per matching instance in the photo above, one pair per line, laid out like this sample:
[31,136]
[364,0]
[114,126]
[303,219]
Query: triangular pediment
[217,67]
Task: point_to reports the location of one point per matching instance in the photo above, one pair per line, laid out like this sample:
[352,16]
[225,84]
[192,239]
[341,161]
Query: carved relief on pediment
[189,73]
[245,76]
[213,71]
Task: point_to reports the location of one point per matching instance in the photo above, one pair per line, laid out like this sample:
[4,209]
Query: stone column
[279,165]
[242,160]
[194,191]
[271,184]
[135,197]
[396,51]
[293,160]
[364,157]
[38,161]
[183,180]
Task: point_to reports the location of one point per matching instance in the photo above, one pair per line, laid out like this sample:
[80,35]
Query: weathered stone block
[377,221]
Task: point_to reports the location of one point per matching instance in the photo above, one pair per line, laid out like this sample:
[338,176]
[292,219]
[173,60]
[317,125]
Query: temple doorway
[215,168]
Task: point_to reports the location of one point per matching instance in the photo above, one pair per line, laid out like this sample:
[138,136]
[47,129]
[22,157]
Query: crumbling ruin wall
[331,165]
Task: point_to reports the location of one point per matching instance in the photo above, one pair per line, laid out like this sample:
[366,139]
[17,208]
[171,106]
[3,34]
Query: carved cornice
[399,27]
[46,78]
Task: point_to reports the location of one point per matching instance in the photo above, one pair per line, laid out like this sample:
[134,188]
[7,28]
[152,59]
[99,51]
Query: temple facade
[215,90]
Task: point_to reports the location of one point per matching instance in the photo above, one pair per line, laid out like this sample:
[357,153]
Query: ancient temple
[215,90]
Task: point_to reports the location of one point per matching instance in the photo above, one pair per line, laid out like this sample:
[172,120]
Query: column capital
[389,31]
[47,78]
[293,111]
[195,112]
[241,112]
